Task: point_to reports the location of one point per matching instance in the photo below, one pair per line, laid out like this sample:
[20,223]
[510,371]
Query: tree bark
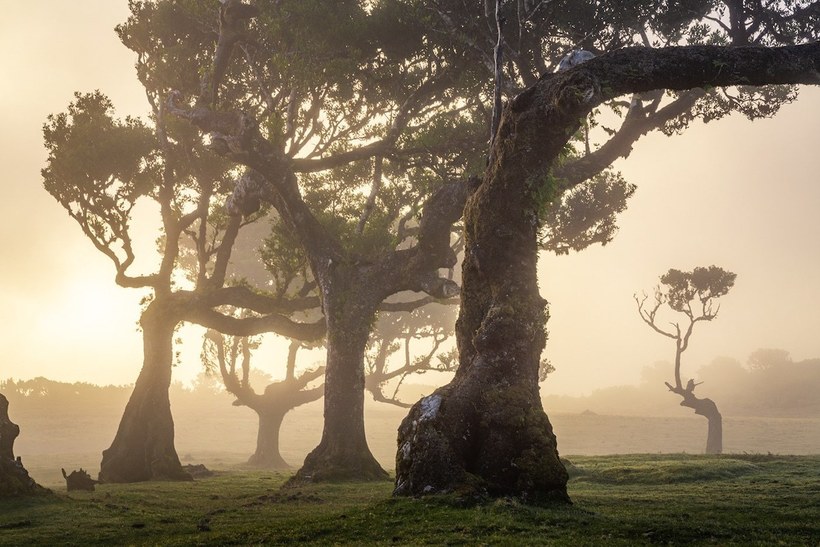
[709,410]
[486,432]
[143,448]
[343,453]
[267,453]
[14,479]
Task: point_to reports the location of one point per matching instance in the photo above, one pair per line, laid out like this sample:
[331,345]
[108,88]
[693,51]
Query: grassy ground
[619,500]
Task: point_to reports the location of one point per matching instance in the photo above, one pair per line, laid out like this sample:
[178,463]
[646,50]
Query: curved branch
[250,326]
[620,144]
[243,297]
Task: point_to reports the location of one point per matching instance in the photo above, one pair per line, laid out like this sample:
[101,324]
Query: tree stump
[79,480]
[14,479]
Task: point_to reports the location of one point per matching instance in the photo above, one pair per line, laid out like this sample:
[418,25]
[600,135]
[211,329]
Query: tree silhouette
[694,295]
[277,399]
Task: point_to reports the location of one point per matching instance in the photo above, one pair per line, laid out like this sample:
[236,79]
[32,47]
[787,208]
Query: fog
[734,193]
[738,194]
[69,425]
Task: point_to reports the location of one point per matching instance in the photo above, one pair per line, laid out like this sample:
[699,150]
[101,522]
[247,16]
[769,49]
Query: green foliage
[173,40]
[585,215]
[97,162]
[659,503]
[545,368]
[702,284]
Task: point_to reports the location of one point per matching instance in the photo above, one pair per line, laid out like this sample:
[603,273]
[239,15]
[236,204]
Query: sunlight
[88,306]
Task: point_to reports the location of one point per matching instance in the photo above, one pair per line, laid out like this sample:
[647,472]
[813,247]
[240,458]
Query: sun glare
[88,307]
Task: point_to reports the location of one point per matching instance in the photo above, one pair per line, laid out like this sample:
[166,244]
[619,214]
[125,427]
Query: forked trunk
[267,453]
[343,453]
[143,448]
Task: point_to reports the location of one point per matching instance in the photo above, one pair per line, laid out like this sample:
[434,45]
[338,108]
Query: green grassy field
[618,500]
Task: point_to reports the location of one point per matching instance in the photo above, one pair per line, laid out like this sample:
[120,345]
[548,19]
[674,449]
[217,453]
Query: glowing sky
[738,194]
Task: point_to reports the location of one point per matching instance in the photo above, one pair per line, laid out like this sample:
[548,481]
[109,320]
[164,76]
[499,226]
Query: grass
[618,500]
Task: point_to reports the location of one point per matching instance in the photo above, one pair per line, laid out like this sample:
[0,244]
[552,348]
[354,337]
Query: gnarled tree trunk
[486,431]
[143,448]
[14,479]
[343,453]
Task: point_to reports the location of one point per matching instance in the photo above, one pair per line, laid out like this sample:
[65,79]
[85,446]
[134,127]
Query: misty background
[731,193]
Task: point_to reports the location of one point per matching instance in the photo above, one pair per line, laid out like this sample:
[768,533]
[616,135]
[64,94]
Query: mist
[241,239]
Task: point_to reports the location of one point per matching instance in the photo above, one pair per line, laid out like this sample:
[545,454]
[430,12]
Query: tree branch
[249,326]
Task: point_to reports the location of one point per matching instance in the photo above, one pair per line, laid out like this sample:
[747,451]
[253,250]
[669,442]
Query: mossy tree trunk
[486,431]
[143,448]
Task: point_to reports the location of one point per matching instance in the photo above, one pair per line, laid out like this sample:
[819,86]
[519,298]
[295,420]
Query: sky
[733,193]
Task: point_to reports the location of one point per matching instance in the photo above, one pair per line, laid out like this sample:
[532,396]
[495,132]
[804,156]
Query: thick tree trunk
[143,448]
[267,453]
[708,409]
[343,453]
[486,432]
[14,479]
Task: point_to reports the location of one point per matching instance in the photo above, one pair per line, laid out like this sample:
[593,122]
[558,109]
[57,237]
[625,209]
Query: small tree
[273,403]
[692,294]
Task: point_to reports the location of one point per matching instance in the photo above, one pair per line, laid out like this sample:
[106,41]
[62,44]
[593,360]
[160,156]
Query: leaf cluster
[702,284]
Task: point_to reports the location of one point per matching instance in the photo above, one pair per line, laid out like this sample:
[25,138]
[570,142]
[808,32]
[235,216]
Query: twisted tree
[692,294]
[99,168]
[486,431]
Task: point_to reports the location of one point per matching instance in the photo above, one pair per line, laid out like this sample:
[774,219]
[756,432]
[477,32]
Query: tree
[98,169]
[398,334]
[692,294]
[315,114]
[486,431]
[274,403]
[14,479]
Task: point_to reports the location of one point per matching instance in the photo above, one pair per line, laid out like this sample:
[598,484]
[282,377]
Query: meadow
[618,500]
[658,490]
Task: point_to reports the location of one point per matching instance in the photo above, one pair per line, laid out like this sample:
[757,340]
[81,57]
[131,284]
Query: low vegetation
[618,500]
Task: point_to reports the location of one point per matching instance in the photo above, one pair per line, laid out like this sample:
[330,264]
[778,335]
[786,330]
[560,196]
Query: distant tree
[231,356]
[693,295]
[402,334]
[767,358]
